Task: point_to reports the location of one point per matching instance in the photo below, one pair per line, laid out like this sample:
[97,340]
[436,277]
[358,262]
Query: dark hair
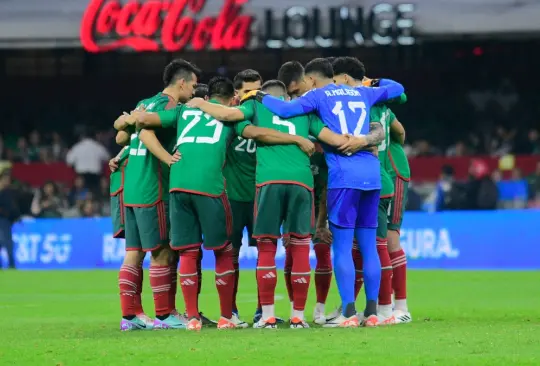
[246,76]
[448,170]
[320,66]
[201,91]
[350,66]
[289,72]
[274,84]
[179,69]
[220,86]
[331,59]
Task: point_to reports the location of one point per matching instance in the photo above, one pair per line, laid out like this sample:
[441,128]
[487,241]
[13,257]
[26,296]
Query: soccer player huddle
[201,163]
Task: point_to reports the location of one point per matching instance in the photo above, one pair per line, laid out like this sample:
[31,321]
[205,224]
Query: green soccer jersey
[239,170]
[282,163]
[117,177]
[319,169]
[202,141]
[381,113]
[398,161]
[147,178]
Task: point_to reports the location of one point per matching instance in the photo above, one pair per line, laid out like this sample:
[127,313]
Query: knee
[161,256]
[266,246]
[134,257]
[322,253]
[393,241]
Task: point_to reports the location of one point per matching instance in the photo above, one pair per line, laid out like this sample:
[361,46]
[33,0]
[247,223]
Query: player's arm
[122,138]
[150,140]
[220,112]
[367,142]
[113,163]
[151,120]
[305,104]
[123,122]
[383,90]
[273,137]
[397,131]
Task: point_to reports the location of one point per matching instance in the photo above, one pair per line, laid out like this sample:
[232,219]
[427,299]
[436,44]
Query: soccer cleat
[207,322]
[298,323]
[342,322]
[258,316]
[390,320]
[233,323]
[370,322]
[270,323]
[334,314]
[145,318]
[402,317]
[319,317]
[194,324]
[134,324]
[170,322]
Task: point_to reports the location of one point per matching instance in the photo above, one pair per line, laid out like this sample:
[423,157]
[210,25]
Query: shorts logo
[300,280]
[187,282]
[269,275]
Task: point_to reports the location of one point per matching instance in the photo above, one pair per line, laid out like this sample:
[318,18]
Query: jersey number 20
[217,125]
[353,106]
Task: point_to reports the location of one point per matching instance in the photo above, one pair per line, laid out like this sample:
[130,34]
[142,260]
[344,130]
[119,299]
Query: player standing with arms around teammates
[199,204]
[353,193]
[146,197]
[284,198]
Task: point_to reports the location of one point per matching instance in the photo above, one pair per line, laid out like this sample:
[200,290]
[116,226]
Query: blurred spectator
[503,142]
[88,158]
[104,197]
[2,148]
[58,147]
[458,149]
[481,191]
[513,193]
[89,209]
[534,184]
[78,191]
[21,153]
[83,208]
[532,145]
[48,202]
[34,147]
[423,148]
[449,194]
[9,213]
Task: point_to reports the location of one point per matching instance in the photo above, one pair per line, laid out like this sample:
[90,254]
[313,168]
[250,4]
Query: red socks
[160,281]
[323,271]
[128,280]
[399,279]
[301,271]
[266,271]
[287,272]
[138,298]
[385,291]
[189,281]
[359,269]
[236,278]
[174,280]
[225,279]
[199,270]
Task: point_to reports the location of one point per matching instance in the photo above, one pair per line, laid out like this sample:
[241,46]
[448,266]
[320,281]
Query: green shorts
[397,207]
[147,228]
[117,215]
[382,218]
[242,214]
[290,205]
[195,216]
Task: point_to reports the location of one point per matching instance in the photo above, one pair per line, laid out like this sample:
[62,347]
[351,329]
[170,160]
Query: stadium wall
[497,240]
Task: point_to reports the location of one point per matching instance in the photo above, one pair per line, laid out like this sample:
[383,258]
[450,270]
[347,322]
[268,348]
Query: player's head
[221,89]
[331,59]
[275,88]
[348,71]
[318,72]
[246,81]
[200,91]
[292,75]
[181,76]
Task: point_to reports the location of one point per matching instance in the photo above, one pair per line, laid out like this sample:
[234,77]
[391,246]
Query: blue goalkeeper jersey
[344,110]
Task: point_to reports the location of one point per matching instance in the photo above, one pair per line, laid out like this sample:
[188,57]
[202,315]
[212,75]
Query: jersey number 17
[353,107]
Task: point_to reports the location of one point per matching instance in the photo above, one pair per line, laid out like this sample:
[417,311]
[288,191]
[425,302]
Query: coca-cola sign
[179,24]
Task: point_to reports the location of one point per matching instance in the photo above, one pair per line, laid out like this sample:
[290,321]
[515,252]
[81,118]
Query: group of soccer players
[202,163]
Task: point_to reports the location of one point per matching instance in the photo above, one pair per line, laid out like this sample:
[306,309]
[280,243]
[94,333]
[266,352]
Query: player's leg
[269,210]
[216,222]
[342,213]
[323,278]
[129,277]
[239,222]
[298,226]
[173,263]
[153,227]
[384,309]
[366,234]
[358,269]
[287,269]
[397,255]
[186,237]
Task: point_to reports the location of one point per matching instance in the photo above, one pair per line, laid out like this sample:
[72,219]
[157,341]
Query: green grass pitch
[460,318]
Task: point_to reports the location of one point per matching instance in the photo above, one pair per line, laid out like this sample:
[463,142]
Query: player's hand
[176,157]
[353,144]
[324,235]
[249,95]
[306,146]
[195,102]
[113,164]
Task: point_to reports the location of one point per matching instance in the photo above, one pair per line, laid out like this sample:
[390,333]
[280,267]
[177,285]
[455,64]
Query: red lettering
[137,24]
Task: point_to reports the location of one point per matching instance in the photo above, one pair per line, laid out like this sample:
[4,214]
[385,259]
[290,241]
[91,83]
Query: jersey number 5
[217,125]
[353,106]
[290,126]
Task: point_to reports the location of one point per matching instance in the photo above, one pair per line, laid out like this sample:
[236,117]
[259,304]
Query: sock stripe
[225,273]
[188,274]
[323,272]
[266,268]
[300,273]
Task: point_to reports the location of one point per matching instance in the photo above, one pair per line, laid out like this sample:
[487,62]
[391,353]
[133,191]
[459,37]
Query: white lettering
[428,243]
